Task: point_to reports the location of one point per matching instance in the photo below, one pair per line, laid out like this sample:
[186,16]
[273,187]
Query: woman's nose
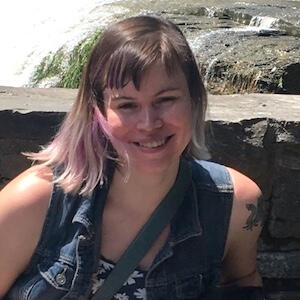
[149,119]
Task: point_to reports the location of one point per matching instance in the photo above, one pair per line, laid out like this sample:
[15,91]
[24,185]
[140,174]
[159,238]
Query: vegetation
[65,68]
[50,66]
[77,61]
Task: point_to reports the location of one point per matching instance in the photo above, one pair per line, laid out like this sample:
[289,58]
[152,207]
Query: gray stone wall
[256,134]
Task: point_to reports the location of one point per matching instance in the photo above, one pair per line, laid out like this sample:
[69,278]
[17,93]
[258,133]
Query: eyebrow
[122,97]
[168,89]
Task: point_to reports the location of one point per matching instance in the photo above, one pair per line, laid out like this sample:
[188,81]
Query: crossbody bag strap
[161,216]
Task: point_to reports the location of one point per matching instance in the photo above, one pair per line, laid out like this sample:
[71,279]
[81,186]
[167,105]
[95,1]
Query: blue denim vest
[187,267]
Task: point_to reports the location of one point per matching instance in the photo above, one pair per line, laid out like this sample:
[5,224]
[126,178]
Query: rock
[12,164]
[279,264]
[252,64]
[237,44]
[24,126]
[293,295]
[16,146]
[240,46]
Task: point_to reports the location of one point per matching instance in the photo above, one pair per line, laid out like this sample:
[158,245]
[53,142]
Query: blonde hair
[81,149]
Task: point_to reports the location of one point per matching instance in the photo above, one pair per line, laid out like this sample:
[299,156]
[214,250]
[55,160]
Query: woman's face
[152,124]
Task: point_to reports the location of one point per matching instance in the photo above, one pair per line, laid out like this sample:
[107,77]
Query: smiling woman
[138,121]
[152,125]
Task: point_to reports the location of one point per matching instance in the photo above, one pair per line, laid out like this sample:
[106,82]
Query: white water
[264,22]
[257,25]
[31,29]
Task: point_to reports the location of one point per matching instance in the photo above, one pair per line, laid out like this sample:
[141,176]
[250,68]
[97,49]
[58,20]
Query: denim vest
[187,267]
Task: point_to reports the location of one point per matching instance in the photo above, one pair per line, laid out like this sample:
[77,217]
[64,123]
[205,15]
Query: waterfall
[263,22]
[32,29]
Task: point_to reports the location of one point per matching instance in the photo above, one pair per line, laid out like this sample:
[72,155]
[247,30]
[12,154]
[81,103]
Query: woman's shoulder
[239,264]
[23,207]
[31,187]
[246,191]
[24,201]
[247,212]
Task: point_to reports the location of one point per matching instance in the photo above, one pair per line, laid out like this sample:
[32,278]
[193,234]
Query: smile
[153,144]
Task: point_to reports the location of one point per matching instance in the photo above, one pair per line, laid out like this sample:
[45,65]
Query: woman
[139,111]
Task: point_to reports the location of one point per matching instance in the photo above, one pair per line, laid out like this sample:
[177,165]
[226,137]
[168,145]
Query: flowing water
[32,29]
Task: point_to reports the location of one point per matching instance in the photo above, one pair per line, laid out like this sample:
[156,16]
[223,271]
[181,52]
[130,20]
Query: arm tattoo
[257,214]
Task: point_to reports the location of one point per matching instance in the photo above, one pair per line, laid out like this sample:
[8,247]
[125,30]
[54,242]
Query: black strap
[161,216]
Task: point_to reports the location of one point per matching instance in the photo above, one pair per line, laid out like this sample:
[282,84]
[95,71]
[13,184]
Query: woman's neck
[139,190]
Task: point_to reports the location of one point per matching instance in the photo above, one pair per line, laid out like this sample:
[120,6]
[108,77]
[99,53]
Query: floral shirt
[132,289]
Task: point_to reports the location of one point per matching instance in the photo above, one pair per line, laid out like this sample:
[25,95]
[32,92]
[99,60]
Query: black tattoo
[256,217]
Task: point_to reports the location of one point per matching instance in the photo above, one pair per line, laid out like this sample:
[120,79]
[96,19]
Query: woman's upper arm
[23,207]
[239,263]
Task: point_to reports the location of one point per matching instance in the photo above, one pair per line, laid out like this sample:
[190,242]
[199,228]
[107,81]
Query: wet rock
[252,63]
[240,46]
[240,49]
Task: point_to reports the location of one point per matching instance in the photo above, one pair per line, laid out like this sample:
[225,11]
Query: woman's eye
[127,106]
[167,99]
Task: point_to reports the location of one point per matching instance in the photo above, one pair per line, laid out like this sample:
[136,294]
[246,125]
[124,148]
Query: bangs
[133,59]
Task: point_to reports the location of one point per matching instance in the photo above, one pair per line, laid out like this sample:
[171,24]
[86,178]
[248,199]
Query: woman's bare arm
[23,206]
[239,264]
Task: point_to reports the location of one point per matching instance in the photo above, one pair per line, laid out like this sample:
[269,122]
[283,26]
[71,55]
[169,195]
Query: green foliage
[78,59]
[50,66]
[68,67]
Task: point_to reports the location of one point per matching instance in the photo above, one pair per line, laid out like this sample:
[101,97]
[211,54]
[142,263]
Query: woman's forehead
[156,76]
[154,83]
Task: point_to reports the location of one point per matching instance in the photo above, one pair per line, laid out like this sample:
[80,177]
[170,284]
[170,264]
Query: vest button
[61,278]
[82,237]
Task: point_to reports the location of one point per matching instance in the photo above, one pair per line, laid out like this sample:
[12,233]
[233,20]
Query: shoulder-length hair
[81,148]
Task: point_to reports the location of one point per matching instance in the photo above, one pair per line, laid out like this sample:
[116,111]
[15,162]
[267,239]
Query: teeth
[152,144]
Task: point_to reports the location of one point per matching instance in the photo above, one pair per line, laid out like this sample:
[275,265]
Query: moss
[50,66]
[77,61]
[66,66]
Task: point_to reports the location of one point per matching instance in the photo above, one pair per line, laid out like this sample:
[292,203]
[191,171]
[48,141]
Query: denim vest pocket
[190,287]
[57,274]
[24,290]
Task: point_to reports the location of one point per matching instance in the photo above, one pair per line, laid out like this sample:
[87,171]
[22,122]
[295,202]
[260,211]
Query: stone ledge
[232,108]
[24,100]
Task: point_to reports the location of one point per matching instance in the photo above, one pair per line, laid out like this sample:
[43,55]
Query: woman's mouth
[153,144]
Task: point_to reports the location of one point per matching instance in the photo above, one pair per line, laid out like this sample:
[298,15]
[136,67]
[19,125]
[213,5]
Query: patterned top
[132,289]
